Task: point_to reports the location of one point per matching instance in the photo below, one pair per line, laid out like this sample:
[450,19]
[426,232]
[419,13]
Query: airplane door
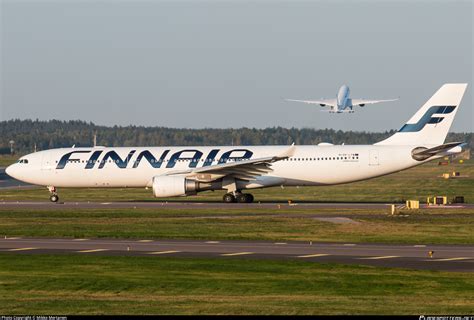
[374,158]
[47,162]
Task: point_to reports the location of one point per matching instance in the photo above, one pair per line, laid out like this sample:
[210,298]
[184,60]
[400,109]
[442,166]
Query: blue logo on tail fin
[428,118]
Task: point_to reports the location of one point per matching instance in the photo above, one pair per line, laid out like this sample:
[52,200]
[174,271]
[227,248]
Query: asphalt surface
[445,257]
[180,205]
[198,205]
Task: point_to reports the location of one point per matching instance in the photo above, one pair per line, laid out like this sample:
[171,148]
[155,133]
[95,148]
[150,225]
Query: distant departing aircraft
[182,171]
[343,103]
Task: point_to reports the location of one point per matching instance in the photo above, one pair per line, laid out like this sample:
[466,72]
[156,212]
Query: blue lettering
[150,158]
[226,156]
[116,159]
[93,159]
[65,158]
[177,156]
[210,157]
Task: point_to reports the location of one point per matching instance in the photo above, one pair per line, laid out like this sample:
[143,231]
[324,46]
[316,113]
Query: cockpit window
[25,161]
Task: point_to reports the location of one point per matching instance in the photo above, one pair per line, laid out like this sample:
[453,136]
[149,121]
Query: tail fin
[430,125]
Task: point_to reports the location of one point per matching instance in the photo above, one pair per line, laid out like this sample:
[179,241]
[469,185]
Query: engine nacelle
[322,104]
[362,105]
[175,186]
[172,186]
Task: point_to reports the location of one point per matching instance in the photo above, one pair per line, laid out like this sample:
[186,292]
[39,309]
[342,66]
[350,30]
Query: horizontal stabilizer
[422,153]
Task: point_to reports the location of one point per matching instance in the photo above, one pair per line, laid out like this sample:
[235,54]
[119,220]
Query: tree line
[29,135]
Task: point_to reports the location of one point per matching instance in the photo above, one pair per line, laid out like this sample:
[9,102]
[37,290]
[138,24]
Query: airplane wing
[362,102]
[323,102]
[244,170]
[337,111]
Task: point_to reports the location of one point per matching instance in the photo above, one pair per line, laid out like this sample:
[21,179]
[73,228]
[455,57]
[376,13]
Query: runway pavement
[445,257]
[197,205]
[180,205]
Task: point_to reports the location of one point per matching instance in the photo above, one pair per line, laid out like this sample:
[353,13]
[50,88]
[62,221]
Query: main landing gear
[238,197]
[54,194]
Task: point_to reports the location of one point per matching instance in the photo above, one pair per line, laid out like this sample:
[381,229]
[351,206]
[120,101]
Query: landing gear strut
[54,195]
[233,194]
[238,197]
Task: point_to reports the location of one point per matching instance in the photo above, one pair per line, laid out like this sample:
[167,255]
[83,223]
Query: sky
[230,64]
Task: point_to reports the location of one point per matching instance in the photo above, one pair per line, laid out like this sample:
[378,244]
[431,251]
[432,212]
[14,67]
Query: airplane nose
[10,170]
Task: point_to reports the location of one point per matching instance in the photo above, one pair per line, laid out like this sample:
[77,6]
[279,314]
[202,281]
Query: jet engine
[322,105]
[175,186]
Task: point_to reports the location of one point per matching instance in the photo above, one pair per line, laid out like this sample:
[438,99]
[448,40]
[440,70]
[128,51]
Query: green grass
[416,183]
[6,160]
[428,226]
[73,284]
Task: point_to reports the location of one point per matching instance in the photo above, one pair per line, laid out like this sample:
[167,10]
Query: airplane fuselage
[136,167]
[343,100]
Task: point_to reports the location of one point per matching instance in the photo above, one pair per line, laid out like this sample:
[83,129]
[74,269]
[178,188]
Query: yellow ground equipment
[438,200]
[392,209]
[413,204]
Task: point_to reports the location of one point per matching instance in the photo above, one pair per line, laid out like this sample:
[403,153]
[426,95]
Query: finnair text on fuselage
[99,158]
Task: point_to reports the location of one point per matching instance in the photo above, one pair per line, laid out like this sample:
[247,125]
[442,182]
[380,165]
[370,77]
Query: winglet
[288,152]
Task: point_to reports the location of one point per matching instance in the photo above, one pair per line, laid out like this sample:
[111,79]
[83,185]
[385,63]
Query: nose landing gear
[54,195]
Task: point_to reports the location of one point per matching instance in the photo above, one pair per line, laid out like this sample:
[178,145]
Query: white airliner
[343,103]
[181,171]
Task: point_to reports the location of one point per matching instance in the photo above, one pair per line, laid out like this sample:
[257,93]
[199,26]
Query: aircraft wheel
[249,198]
[54,198]
[241,198]
[245,198]
[228,198]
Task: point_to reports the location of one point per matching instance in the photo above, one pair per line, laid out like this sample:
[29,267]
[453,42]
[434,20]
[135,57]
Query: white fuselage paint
[309,166]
